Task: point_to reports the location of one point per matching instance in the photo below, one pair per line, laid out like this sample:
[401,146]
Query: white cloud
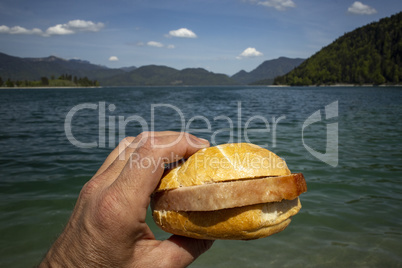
[113,58]
[154,44]
[71,27]
[85,26]
[19,30]
[361,9]
[249,53]
[4,29]
[277,4]
[58,29]
[182,32]
[74,26]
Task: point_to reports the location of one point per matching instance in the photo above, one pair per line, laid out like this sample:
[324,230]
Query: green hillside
[371,54]
[154,75]
[30,71]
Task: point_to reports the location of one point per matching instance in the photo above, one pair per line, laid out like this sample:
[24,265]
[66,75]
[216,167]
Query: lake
[345,140]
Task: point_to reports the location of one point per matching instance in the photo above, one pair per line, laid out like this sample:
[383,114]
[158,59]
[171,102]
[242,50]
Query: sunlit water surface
[351,215]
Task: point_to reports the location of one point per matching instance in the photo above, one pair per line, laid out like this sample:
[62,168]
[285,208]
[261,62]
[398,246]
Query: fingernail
[200,141]
[203,140]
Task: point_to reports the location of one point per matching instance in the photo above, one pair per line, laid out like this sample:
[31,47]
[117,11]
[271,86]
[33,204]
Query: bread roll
[232,191]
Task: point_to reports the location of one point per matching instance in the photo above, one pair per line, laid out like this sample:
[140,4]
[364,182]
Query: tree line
[64,80]
[369,55]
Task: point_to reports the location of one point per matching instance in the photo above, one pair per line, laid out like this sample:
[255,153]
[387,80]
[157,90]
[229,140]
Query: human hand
[107,227]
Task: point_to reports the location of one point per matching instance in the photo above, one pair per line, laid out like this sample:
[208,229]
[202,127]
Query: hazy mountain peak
[268,70]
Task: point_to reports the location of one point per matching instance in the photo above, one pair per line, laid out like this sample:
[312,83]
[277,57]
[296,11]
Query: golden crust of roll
[243,223]
[225,162]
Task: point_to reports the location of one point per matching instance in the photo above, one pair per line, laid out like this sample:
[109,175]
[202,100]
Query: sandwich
[236,191]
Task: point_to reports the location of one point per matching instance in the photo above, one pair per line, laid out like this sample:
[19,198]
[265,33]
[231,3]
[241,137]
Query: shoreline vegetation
[338,85]
[262,86]
[371,54]
[63,81]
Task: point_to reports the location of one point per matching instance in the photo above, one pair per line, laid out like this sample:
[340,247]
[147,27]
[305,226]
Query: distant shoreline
[44,87]
[339,85]
[270,86]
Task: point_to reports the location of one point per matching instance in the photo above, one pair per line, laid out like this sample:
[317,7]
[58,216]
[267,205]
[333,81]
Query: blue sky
[222,36]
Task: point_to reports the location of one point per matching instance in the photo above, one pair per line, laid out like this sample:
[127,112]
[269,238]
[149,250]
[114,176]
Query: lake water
[352,212]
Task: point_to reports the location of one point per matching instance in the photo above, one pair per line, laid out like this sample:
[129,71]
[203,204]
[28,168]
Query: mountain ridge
[16,68]
[159,75]
[267,70]
[371,54]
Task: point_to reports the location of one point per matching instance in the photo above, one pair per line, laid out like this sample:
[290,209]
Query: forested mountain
[371,54]
[153,75]
[268,70]
[34,69]
[16,68]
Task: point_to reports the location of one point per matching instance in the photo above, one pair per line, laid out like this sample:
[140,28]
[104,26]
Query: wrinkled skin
[107,227]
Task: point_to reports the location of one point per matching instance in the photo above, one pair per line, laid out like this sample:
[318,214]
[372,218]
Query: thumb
[181,251]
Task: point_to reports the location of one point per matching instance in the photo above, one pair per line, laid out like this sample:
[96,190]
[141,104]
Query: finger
[142,173]
[114,154]
[182,251]
[119,157]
